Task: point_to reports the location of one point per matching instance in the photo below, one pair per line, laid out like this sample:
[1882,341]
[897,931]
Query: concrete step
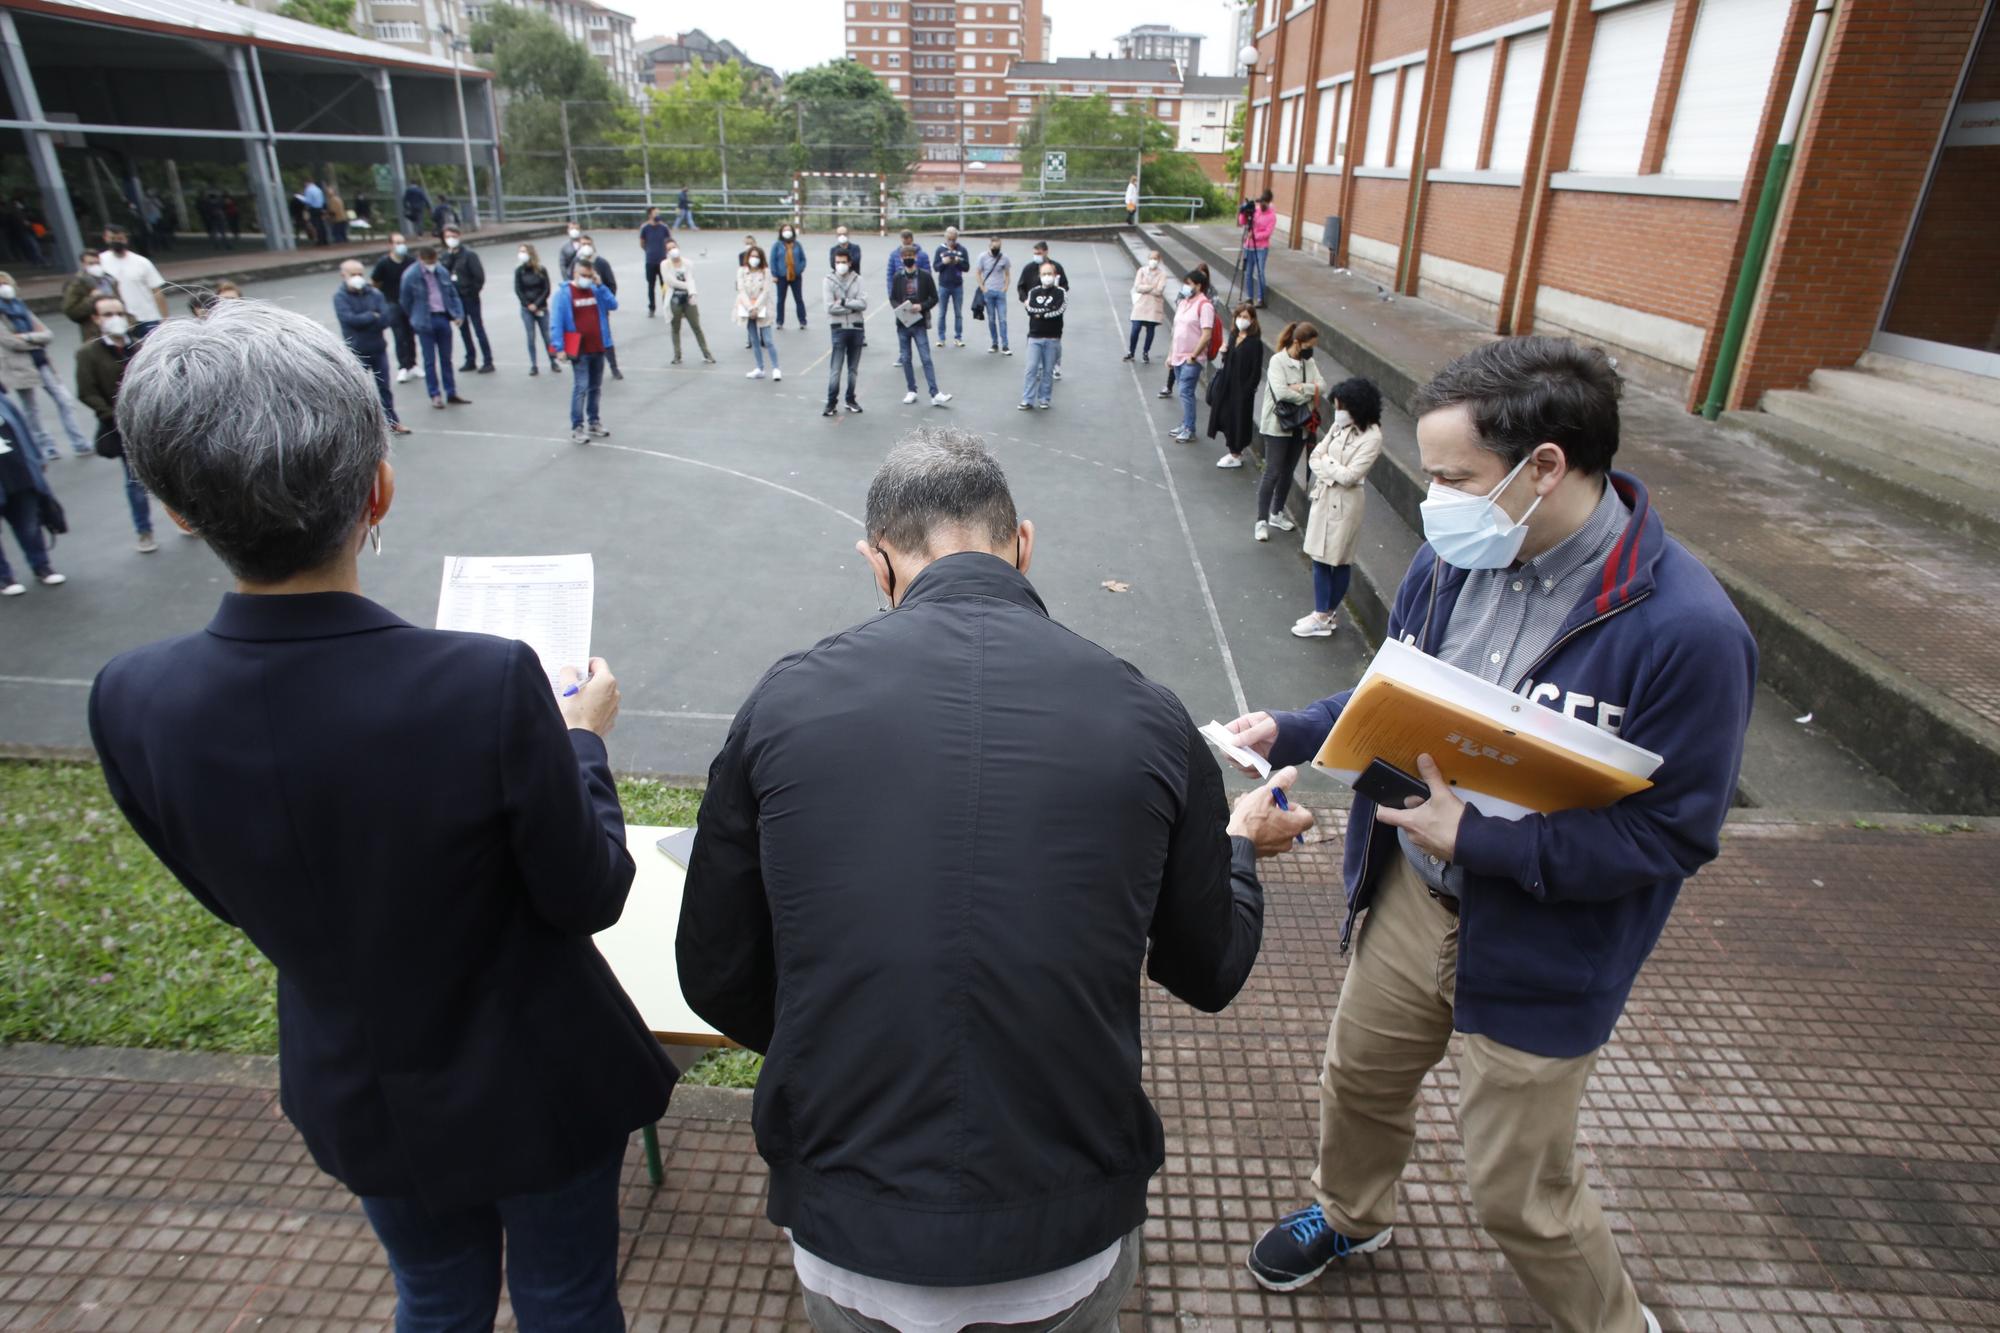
[1854,460]
[1920,407]
[1950,458]
[1961,383]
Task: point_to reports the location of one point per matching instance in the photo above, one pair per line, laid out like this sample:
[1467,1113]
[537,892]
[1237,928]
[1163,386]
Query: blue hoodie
[1558,911]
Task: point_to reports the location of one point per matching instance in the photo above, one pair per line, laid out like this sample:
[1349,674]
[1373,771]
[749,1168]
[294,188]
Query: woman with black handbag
[1287,418]
[1236,386]
[24,491]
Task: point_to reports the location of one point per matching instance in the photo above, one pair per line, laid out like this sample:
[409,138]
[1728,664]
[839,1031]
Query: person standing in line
[580,328]
[314,199]
[683,304]
[846,312]
[24,368]
[1046,305]
[100,370]
[742,263]
[79,299]
[1236,386]
[753,310]
[587,253]
[995,269]
[911,303]
[387,276]
[533,288]
[654,238]
[433,306]
[843,246]
[1194,335]
[1257,251]
[1339,466]
[896,271]
[788,270]
[364,320]
[453,1049]
[949,270]
[468,274]
[23,487]
[1149,304]
[1549,575]
[443,216]
[140,285]
[1294,381]
[1168,389]
[416,208]
[566,257]
[1132,202]
[1030,280]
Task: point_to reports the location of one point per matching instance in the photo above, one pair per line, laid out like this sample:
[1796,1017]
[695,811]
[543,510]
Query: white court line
[1173,493]
[673,715]
[45,680]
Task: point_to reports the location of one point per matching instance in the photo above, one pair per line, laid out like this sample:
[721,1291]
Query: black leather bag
[54,521]
[109,443]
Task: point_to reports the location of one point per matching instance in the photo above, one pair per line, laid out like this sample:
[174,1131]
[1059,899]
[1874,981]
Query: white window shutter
[1626,53]
[1730,63]
[1406,127]
[1471,78]
[1520,84]
[1348,92]
[1381,110]
[1329,103]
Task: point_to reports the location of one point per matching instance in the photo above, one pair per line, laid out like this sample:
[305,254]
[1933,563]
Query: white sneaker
[753,375]
[1652,1320]
[1230,460]
[54,580]
[402,374]
[12,590]
[910,397]
[146,545]
[1313,627]
[777,374]
[1027,407]
[1058,372]
[1263,531]
[1283,523]
[940,399]
[940,342]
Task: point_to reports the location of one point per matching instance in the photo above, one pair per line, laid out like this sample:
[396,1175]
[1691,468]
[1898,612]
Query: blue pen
[1278,795]
[575,687]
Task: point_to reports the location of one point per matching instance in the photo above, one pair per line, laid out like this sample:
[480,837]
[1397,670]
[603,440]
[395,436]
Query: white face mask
[356,283]
[1048,279]
[673,256]
[401,249]
[841,238]
[116,326]
[784,236]
[585,251]
[1341,419]
[1473,531]
[451,242]
[6,291]
[1243,326]
[574,233]
[840,266]
[1186,291]
[755,262]
[521,256]
[1152,263]
[94,270]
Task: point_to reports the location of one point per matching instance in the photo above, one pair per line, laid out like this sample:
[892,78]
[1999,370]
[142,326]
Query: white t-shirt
[136,279]
[1131,195]
[949,1309]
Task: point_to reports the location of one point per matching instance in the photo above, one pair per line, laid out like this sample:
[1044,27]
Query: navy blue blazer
[400,821]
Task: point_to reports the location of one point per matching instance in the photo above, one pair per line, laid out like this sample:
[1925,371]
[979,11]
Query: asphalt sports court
[722,512]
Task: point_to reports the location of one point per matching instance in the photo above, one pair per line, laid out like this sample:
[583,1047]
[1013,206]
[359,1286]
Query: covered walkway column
[272,214]
[385,97]
[57,209]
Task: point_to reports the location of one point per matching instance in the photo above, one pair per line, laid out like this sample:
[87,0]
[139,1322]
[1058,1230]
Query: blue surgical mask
[1473,531]
[1186,291]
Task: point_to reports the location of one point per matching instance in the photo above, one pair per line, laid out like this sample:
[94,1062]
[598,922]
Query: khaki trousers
[1517,1114]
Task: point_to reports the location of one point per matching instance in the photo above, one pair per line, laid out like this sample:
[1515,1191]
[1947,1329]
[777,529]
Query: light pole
[457,44]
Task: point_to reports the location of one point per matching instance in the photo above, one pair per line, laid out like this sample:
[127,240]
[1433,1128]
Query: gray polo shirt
[1505,619]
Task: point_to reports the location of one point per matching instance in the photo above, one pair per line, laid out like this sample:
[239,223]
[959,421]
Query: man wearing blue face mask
[1548,573]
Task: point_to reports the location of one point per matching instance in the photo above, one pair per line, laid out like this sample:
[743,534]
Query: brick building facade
[948,64]
[1593,167]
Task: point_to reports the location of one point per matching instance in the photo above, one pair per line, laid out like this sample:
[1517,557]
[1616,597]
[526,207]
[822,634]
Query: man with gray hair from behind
[959,833]
[410,824]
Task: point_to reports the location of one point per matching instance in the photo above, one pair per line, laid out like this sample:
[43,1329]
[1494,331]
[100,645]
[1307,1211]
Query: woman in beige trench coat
[1339,464]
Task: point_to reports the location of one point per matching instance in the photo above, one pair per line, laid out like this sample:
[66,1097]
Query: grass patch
[102,947]
[727,1068]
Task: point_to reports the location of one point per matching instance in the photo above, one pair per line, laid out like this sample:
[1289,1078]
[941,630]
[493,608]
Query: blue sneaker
[1300,1247]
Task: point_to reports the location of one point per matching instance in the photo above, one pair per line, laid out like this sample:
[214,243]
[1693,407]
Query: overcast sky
[792,34]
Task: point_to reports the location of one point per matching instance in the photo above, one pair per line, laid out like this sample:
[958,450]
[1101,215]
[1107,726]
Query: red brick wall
[1663,256]
[1479,15]
[1380,207]
[1298,51]
[1341,26]
[1892,67]
[1401,26]
[1460,223]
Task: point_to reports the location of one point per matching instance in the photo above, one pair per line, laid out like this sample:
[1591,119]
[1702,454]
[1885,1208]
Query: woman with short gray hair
[409,824]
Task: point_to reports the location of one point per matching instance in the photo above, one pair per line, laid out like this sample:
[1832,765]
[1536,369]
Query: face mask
[585,251]
[1340,418]
[428,268]
[6,291]
[356,283]
[842,238]
[521,256]
[1243,326]
[1472,531]
[116,326]
[451,242]
[1303,353]
[784,236]
[1186,291]
[673,256]
[909,266]
[755,262]
[401,249]
[994,248]
[118,247]
[1048,279]
[1152,263]
[840,266]
[574,233]
[94,270]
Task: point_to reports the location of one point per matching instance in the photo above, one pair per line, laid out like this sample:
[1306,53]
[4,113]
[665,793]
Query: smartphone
[1387,785]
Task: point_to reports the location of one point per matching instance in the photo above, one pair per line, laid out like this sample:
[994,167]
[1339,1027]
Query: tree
[1232,154]
[335,14]
[848,120]
[551,78]
[717,120]
[1104,147]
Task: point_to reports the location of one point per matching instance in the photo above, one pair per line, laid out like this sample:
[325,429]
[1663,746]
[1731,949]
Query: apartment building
[665,61]
[1595,167]
[414,25]
[948,63]
[1151,85]
[1207,105]
[605,32]
[1157,41]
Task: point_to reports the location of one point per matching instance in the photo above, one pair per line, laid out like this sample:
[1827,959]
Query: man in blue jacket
[580,328]
[1549,574]
[365,316]
[431,303]
[950,265]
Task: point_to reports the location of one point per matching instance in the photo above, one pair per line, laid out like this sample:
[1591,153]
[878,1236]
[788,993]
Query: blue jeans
[1186,375]
[952,299]
[533,324]
[587,378]
[42,444]
[797,287]
[1330,586]
[561,1251]
[79,442]
[762,343]
[684,217]
[135,498]
[1253,274]
[377,362]
[23,512]
[1151,326]
[1040,383]
[996,318]
[846,351]
[434,336]
[915,336]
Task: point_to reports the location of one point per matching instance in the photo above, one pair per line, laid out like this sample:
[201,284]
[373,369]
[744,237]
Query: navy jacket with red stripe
[1559,911]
